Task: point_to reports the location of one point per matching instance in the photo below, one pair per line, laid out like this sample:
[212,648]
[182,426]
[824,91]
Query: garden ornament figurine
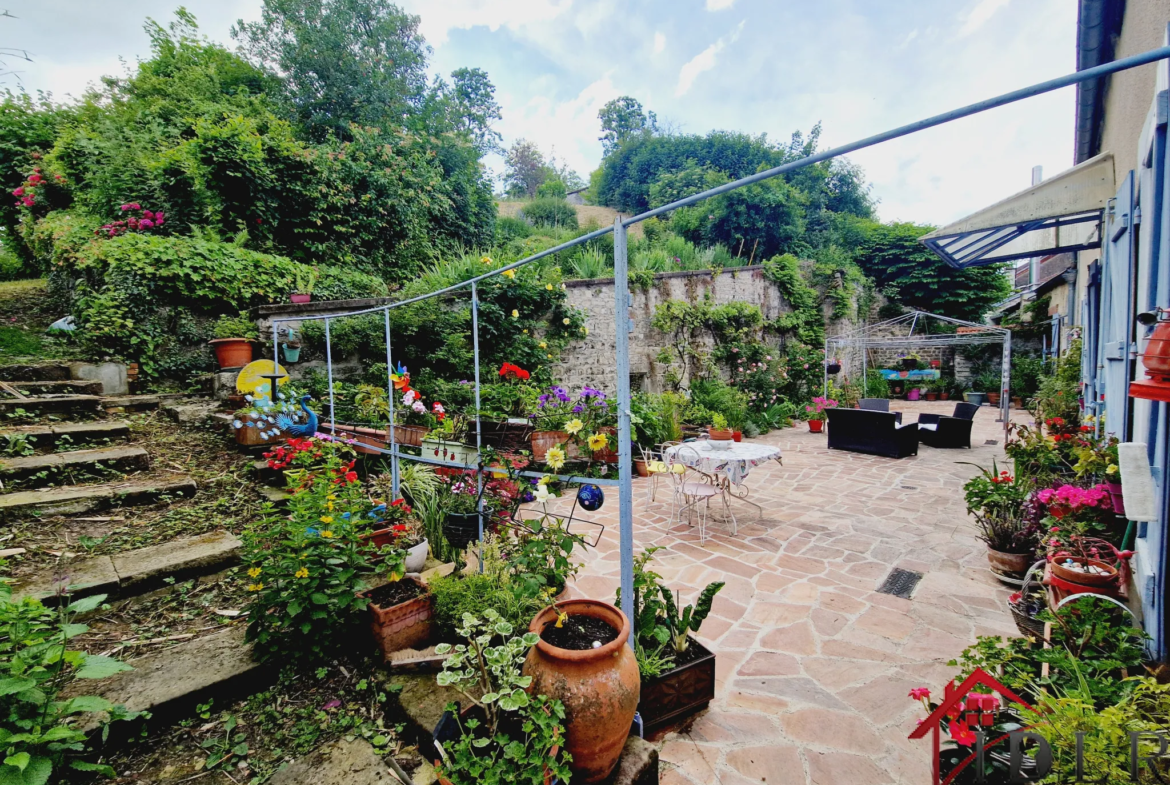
[295,430]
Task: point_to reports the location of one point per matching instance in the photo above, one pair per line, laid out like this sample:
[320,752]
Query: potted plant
[1005,526]
[677,672]
[460,497]
[909,361]
[932,388]
[718,431]
[231,339]
[503,419]
[833,366]
[581,659]
[816,413]
[511,732]
[290,345]
[401,614]
[306,279]
[447,440]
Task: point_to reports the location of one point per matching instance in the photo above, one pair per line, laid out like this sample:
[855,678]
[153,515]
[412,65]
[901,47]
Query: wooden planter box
[404,626]
[680,692]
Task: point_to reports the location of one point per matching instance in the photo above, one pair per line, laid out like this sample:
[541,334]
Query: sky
[757,66]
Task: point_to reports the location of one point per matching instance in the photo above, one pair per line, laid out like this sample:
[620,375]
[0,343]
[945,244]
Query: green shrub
[456,594]
[341,283]
[235,327]
[509,228]
[551,212]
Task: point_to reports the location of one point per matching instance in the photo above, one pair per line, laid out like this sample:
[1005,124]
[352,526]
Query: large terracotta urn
[599,687]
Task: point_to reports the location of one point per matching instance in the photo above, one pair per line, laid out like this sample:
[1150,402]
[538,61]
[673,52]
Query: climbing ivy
[807,321]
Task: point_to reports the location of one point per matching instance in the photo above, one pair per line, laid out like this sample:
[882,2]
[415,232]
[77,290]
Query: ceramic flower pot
[1116,497]
[737,436]
[402,626]
[816,426]
[716,435]
[1070,575]
[416,557]
[641,467]
[377,539]
[944,396]
[300,298]
[912,394]
[599,688]
[541,441]
[930,396]
[976,398]
[232,352]
[993,398]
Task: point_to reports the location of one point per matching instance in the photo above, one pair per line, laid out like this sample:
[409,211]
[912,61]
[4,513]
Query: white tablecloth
[735,463]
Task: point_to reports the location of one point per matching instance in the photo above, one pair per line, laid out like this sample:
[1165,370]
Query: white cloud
[703,61]
[980,14]
[659,43]
[440,17]
[719,5]
[907,40]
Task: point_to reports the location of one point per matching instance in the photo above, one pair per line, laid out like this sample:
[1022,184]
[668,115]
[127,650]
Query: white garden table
[729,468]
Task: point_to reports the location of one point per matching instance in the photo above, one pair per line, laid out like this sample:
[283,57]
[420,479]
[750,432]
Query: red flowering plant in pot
[816,413]
[1011,533]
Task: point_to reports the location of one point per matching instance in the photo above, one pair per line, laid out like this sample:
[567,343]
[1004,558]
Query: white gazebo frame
[912,330]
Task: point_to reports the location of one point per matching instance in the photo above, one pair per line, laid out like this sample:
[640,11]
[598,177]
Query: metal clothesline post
[622,326]
[390,399]
[329,368]
[478,436]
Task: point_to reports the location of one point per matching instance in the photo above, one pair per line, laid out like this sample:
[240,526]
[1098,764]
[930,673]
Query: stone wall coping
[319,306]
[587,282]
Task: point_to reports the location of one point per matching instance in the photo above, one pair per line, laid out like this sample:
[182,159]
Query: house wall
[1128,96]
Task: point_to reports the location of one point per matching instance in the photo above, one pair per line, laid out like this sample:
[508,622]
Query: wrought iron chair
[656,466]
[693,489]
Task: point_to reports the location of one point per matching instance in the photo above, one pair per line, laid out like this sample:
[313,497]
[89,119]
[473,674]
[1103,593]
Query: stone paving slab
[813,665]
[171,681]
[340,763]
[123,459]
[73,500]
[54,404]
[138,571]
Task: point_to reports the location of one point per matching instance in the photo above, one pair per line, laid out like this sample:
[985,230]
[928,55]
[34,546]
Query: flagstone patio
[813,665]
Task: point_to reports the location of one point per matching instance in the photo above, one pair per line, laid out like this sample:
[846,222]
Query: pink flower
[146,223]
[125,207]
[18,191]
[961,734]
[919,693]
[147,214]
[135,206]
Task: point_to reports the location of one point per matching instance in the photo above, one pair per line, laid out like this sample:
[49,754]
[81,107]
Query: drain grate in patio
[992,441]
[900,583]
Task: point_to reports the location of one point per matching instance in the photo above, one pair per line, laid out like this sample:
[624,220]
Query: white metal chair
[693,489]
[656,466]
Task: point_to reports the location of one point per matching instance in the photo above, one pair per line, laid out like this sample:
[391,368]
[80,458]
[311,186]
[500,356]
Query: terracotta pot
[816,426]
[606,455]
[930,396]
[232,352]
[376,539]
[402,626]
[410,435]
[935,363]
[641,467]
[1115,495]
[1084,579]
[1009,562]
[599,687]
[944,396]
[717,435]
[993,398]
[737,436]
[300,298]
[1156,357]
[542,440]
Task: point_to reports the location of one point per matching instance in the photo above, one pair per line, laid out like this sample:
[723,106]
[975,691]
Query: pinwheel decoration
[401,378]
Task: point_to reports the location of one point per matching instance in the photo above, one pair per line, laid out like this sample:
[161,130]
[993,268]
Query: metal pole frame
[329,368]
[478,435]
[621,273]
[390,398]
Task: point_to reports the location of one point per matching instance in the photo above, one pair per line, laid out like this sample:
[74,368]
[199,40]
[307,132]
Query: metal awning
[1058,215]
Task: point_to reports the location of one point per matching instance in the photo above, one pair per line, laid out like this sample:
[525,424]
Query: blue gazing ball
[590,497]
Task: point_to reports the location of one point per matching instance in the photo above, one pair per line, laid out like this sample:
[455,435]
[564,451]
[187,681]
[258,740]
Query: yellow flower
[584,330]
[327,534]
[331,498]
[564,287]
[525,331]
[509,273]
[256,587]
[1111,468]
[543,345]
[548,286]
[254,572]
[565,321]
[326,519]
[555,457]
[573,425]
[301,573]
[597,441]
[486,259]
[545,480]
[329,506]
[562,617]
[515,314]
[549,356]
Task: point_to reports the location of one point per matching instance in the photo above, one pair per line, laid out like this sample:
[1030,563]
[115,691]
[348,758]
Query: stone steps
[45,438]
[169,683]
[71,387]
[52,404]
[41,470]
[139,571]
[75,500]
[131,403]
[53,372]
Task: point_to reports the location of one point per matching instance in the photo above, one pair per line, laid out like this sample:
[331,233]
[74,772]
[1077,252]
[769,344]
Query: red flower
[919,693]
[961,734]
[398,502]
[351,476]
[511,371]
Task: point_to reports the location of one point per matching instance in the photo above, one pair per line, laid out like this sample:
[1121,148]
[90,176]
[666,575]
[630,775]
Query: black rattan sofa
[938,430]
[877,433]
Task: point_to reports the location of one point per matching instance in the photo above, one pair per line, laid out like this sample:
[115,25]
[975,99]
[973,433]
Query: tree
[474,107]
[341,61]
[911,275]
[757,221]
[525,168]
[621,119]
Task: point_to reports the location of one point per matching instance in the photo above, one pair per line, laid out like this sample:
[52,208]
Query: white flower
[418,407]
[542,494]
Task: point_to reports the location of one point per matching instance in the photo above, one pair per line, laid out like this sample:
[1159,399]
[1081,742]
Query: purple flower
[589,392]
[561,393]
[578,409]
